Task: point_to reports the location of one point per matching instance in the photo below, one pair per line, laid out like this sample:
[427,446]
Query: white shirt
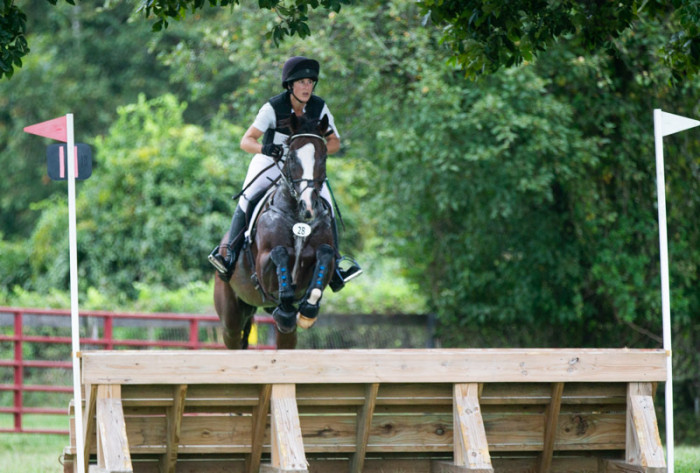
[267,118]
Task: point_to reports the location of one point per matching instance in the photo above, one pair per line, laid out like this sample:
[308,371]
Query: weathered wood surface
[112,444]
[457,411]
[470,446]
[374,366]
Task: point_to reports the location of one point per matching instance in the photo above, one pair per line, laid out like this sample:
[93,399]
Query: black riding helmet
[299,67]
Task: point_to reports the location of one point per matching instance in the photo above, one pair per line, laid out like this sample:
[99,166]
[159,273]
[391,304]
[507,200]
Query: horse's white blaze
[306,156]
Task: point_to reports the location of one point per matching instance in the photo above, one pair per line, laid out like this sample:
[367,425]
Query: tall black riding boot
[225,265]
[342,275]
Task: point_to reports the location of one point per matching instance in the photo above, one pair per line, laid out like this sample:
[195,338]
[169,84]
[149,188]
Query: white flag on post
[671,123]
[666,124]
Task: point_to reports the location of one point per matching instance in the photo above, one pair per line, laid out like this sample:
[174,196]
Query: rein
[276,163]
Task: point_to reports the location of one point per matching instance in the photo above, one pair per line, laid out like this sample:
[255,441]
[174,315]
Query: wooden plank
[375,366]
[287,446]
[89,423]
[174,418]
[259,425]
[471,448]
[364,424]
[112,444]
[551,423]
[643,444]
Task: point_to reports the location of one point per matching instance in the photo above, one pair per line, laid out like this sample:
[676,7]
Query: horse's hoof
[285,321]
[305,322]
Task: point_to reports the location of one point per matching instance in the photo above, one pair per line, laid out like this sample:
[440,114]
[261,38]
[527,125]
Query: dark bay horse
[288,258]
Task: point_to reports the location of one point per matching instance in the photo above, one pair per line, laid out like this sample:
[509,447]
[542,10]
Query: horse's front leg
[285,313]
[308,310]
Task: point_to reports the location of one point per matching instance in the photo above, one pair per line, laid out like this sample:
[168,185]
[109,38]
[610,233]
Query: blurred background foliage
[519,207]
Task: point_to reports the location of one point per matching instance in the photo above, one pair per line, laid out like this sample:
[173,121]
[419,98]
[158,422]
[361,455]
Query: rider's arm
[249,142]
[332,143]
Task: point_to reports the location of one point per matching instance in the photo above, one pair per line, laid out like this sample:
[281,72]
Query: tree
[159,206]
[83,61]
[292,20]
[485,35]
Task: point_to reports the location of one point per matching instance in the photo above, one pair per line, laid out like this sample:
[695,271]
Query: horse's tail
[246,333]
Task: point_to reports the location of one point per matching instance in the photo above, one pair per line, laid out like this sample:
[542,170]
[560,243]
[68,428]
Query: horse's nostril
[308,215]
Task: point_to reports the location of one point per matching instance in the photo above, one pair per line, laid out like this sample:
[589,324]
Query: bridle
[291,183]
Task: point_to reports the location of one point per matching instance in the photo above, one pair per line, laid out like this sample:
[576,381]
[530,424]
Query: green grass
[32,453]
[687,459]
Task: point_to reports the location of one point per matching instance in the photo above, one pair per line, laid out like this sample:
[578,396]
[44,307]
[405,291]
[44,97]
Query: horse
[288,258]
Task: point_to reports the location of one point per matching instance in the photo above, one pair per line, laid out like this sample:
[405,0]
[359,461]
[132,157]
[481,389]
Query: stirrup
[351,272]
[218,261]
[341,276]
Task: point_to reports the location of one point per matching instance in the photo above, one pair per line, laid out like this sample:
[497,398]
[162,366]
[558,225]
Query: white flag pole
[665,290]
[75,325]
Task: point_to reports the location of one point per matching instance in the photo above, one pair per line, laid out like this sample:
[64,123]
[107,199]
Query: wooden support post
[551,422]
[112,445]
[174,418]
[259,423]
[643,450]
[471,450]
[287,445]
[89,422]
[364,423]
[643,445]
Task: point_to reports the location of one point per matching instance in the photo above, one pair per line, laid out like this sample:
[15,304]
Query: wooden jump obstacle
[402,411]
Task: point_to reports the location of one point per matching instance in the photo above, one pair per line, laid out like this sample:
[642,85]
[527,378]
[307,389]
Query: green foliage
[485,36]
[83,61]
[292,20]
[13,261]
[13,43]
[494,189]
[156,210]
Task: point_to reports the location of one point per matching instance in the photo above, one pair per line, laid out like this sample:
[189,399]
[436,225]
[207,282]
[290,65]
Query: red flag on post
[56,129]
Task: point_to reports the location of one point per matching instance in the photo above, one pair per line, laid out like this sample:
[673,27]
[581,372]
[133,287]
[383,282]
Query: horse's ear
[323,125]
[293,123]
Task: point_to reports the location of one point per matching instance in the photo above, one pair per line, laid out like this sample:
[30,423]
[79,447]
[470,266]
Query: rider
[299,78]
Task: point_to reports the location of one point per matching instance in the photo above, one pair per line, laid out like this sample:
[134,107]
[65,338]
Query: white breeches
[256,166]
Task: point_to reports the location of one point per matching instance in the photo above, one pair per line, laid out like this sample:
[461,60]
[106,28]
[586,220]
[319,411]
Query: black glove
[273,150]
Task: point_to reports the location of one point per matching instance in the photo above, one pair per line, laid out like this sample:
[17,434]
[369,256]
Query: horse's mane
[302,124]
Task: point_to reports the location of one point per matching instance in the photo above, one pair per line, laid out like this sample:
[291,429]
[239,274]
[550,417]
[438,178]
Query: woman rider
[299,78]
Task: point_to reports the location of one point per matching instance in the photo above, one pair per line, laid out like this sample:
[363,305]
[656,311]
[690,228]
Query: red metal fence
[23,331]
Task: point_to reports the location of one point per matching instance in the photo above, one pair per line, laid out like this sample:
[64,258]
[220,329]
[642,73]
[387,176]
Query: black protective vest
[282,105]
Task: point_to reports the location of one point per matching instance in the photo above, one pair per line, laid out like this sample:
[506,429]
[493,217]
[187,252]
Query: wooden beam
[174,417]
[471,450]
[375,366]
[112,445]
[89,422]
[364,424]
[287,445]
[643,443]
[259,424]
[551,421]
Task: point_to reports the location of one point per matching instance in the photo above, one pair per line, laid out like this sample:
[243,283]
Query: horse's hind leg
[233,313]
[308,310]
